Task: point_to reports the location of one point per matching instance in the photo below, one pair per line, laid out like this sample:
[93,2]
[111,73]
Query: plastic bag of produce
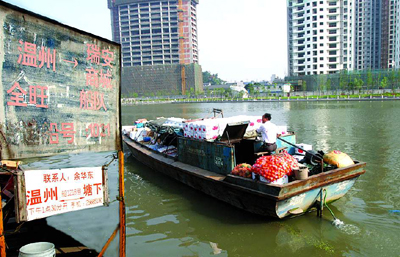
[338,159]
[272,167]
[293,163]
[242,170]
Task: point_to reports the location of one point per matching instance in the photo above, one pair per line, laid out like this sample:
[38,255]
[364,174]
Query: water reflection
[172,211]
[167,218]
[364,130]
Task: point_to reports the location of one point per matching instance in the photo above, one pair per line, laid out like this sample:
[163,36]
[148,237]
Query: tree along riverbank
[355,97]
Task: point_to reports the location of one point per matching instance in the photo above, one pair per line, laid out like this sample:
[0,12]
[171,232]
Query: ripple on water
[348,229]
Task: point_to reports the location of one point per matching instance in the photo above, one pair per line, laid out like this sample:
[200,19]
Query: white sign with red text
[51,192]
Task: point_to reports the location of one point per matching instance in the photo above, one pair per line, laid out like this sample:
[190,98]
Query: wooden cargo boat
[206,166]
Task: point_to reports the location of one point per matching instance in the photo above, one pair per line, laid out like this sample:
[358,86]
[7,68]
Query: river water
[167,218]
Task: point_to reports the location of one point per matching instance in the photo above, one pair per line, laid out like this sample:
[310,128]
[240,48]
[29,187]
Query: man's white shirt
[268,132]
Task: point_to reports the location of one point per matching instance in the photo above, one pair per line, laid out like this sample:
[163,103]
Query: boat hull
[306,200]
[259,198]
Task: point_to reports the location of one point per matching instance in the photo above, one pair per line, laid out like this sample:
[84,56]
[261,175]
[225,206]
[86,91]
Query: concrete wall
[160,78]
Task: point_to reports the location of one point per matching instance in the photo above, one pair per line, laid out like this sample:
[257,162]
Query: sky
[240,40]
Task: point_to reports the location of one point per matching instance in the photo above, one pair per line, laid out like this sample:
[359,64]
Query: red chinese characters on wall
[17,95]
[92,100]
[98,130]
[37,96]
[32,55]
[97,78]
[66,130]
[94,55]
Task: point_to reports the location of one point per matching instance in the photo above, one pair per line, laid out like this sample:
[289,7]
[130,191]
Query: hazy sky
[238,39]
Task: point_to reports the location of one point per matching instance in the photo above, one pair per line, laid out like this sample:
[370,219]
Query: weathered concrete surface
[60,88]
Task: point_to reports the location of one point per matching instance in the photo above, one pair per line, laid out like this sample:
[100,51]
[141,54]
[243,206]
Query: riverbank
[128,102]
[40,231]
[293,100]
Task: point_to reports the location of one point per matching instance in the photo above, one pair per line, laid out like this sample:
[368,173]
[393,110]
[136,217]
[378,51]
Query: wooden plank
[322,179]
[2,240]
[11,164]
[105,186]
[20,197]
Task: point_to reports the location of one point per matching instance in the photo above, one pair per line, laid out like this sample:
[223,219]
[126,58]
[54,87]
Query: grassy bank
[158,100]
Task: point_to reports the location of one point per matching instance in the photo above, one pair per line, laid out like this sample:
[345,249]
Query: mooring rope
[326,205]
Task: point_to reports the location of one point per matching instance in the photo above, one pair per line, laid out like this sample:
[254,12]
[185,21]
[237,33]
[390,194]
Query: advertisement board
[51,192]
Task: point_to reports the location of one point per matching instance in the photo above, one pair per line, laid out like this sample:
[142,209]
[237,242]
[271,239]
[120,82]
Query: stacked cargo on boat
[211,129]
[220,156]
[225,146]
[163,134]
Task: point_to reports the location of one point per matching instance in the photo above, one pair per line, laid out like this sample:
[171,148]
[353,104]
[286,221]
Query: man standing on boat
[268,132]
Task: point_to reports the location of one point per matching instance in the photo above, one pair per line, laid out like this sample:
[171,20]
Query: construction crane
[181,46]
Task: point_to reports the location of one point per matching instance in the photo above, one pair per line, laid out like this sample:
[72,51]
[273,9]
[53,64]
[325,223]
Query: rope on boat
[326,205]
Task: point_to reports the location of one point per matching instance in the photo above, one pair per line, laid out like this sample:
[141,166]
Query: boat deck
[180,165]
[248,194]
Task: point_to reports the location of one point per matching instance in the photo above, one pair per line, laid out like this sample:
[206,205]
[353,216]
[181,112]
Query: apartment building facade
[368,34]
[397,37]
[320,39]
[388,27]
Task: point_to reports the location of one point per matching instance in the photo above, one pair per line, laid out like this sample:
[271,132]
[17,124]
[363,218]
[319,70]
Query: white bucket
[40,249]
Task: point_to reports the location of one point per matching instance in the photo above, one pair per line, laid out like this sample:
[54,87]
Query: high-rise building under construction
[159,42]
[149,31]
